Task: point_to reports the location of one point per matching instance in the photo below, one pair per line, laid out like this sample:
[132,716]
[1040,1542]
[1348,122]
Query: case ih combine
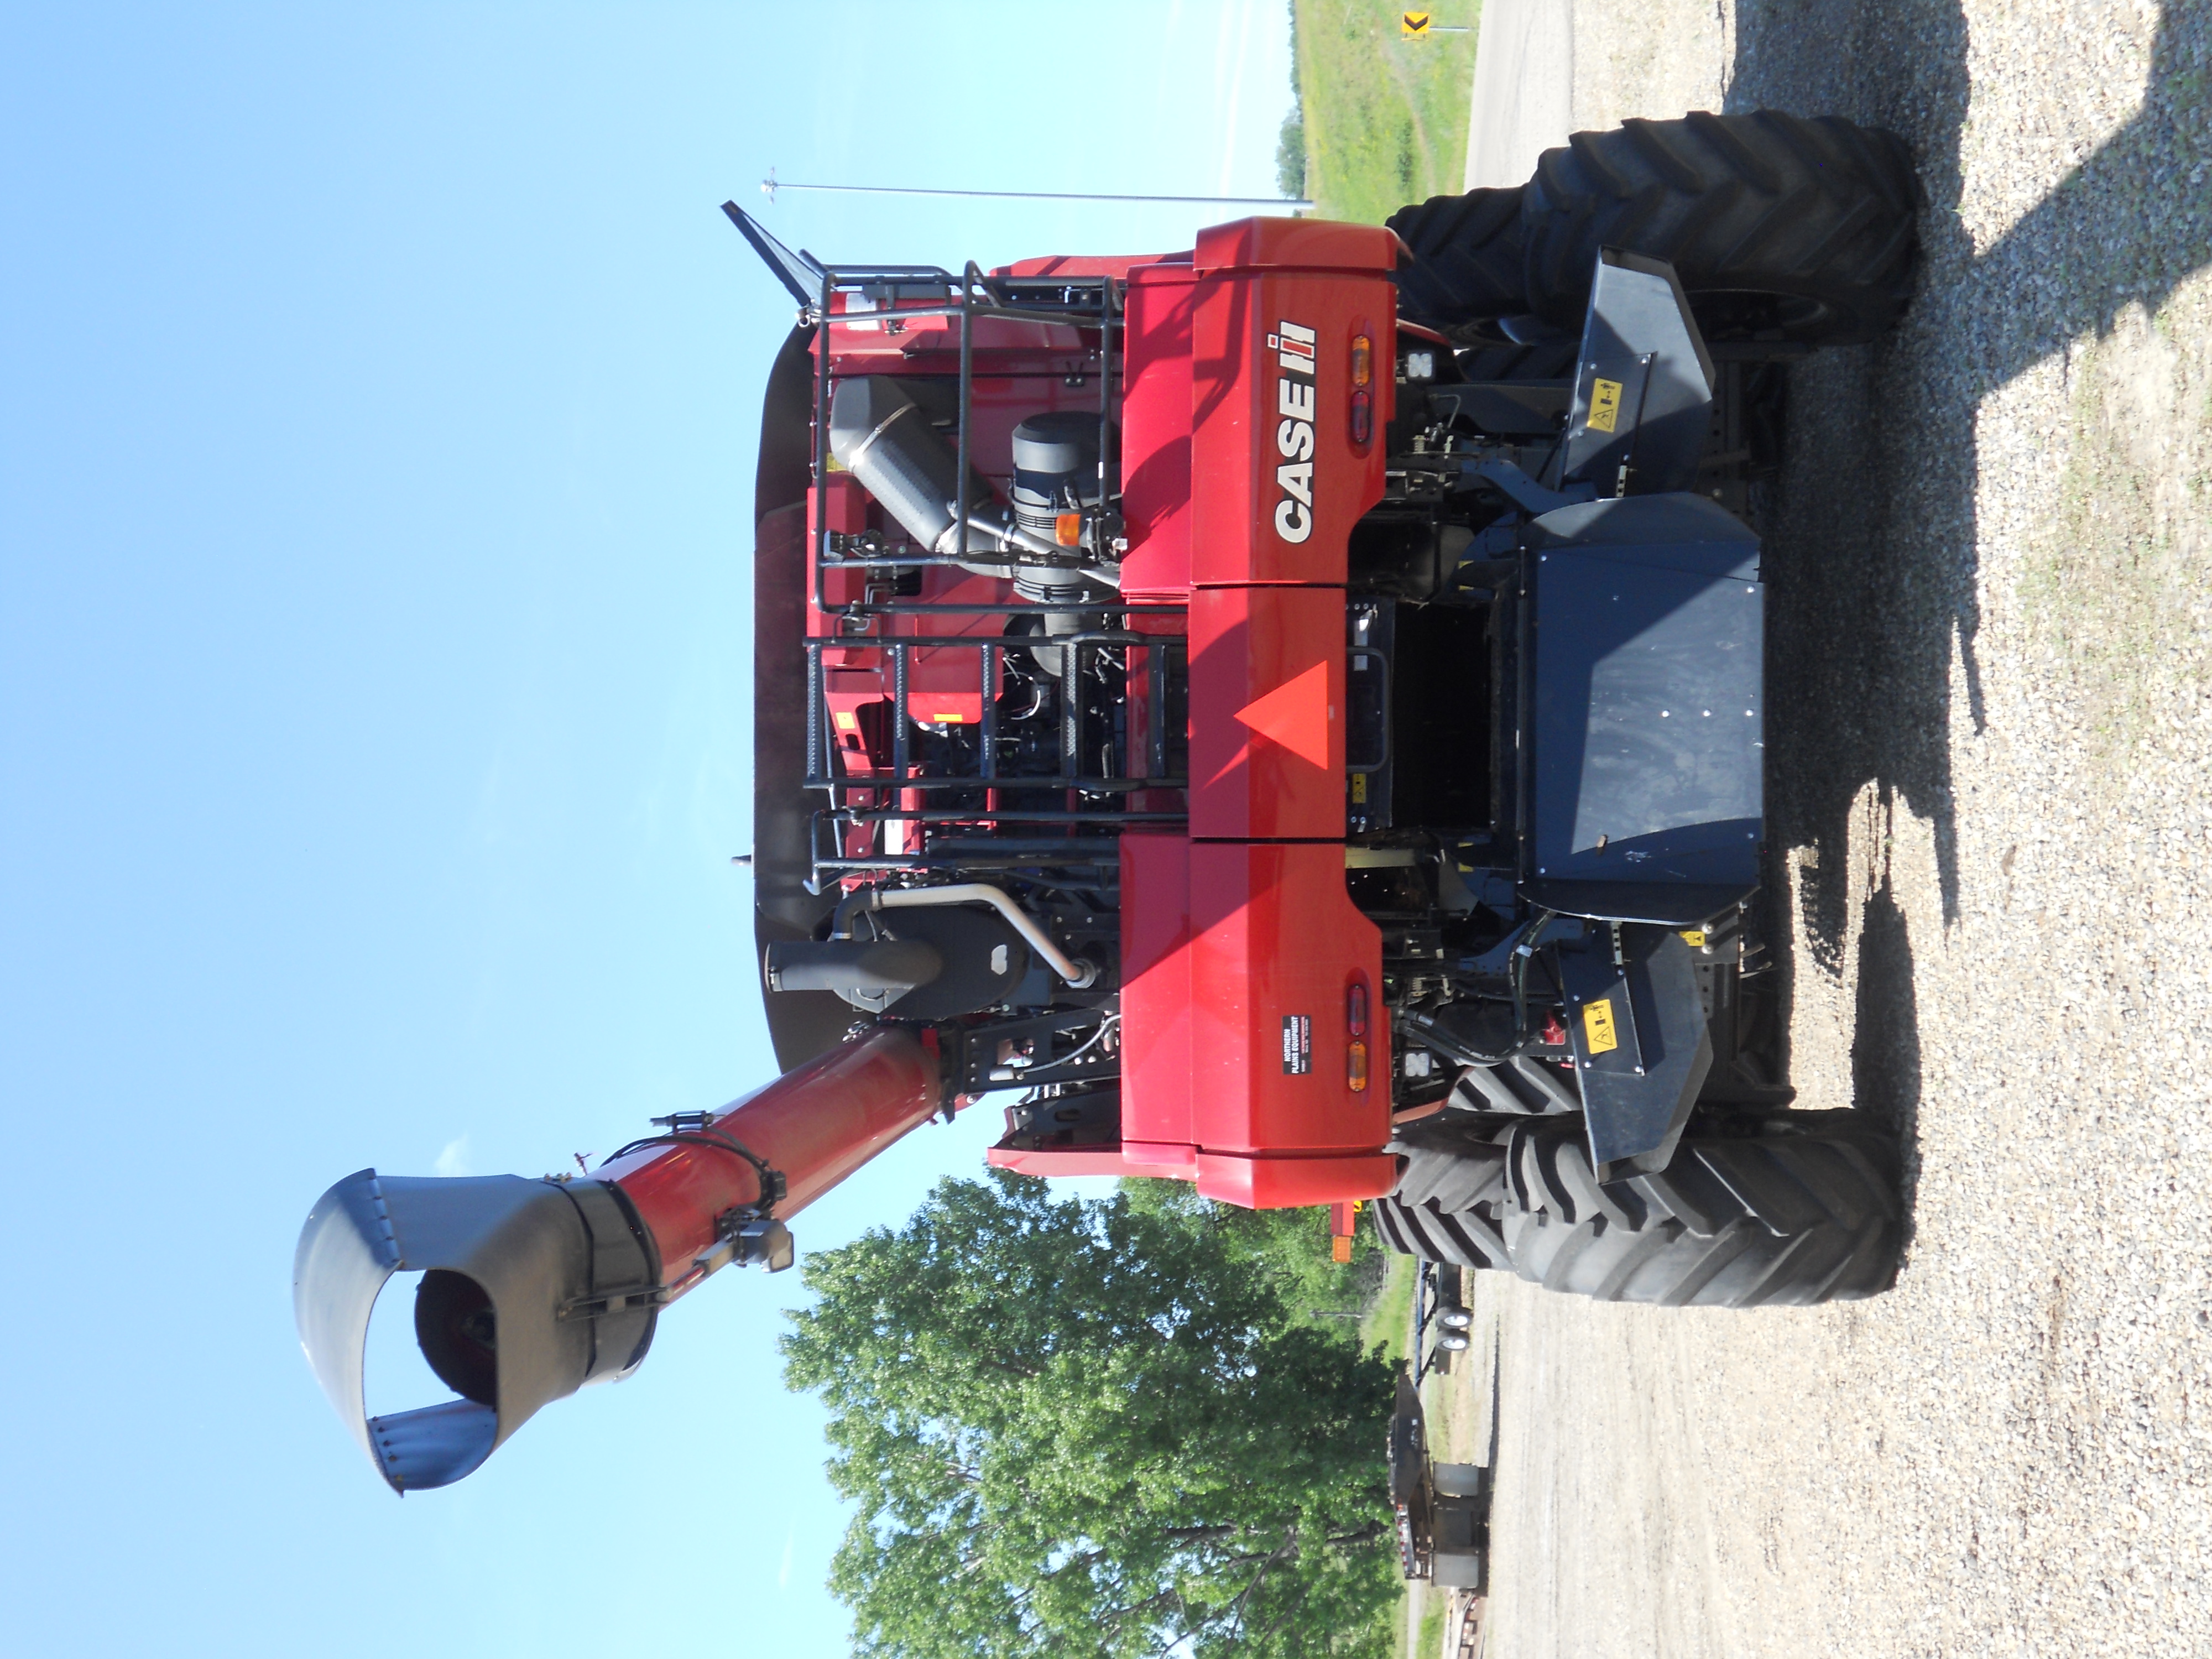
[1289,715]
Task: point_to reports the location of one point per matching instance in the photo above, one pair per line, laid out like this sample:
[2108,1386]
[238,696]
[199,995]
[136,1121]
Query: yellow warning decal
[1605,406]
[1360,788]
[846,720]
[1694,937]
[1597,1026]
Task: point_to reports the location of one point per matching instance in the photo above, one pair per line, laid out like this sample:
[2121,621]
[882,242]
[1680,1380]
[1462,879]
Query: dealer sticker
[1297,1045]
[1597,1026]
[1605,408]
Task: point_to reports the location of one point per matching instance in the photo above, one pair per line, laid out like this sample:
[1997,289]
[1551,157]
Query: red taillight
[1363,417]
[1355,1024]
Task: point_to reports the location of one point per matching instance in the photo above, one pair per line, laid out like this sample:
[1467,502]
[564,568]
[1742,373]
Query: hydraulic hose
[1427,1029]
[1460,1054]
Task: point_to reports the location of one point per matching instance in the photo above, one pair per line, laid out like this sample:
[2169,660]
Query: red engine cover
[1156,504]
[1238,966]
[1267,701]
[1280,473]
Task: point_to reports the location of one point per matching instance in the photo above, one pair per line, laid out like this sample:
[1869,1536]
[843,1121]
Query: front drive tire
[1805,1210]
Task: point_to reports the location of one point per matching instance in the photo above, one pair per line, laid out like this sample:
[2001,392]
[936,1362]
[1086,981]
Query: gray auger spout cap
[507,1264]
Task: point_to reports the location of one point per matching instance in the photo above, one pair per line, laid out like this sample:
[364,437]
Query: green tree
[1289,1248]
[1079,1428]
[1291,154]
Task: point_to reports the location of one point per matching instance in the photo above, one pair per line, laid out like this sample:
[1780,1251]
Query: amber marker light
[1068,529]
[1355,1052]
[1363,400]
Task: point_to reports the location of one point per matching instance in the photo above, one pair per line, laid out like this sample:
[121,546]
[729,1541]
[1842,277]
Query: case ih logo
[1293,346]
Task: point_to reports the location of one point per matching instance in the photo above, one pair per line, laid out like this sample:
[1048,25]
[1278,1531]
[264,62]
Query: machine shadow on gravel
[1886,1040]
[1874,525]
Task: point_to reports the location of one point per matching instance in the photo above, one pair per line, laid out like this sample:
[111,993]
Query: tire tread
[1768,201]
[1806,1211]
[1467,258]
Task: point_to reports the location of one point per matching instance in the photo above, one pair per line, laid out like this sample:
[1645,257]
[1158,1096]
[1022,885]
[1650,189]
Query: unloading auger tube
[533,1289]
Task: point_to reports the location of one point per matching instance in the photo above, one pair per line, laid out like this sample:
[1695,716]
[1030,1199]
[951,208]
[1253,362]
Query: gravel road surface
[1524,78]
[1990,562]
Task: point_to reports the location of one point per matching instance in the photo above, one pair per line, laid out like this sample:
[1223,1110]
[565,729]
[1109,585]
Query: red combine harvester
[1292,713]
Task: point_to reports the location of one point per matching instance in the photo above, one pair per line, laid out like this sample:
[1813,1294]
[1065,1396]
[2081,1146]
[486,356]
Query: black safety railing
[1081,302]
[1135,738]
[968,810]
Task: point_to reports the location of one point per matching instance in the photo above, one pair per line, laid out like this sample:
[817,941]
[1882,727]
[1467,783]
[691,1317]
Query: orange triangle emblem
[1297,715]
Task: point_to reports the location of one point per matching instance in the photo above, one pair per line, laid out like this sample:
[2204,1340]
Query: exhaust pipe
[880,434]
[532,1290]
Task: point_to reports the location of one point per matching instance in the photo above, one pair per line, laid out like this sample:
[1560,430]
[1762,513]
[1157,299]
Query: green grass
[1389,1318]
[1385,118]
[1387,1322]
[1383,121]
[1429,1641]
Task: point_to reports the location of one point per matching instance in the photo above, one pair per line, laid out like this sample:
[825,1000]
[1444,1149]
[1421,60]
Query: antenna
[770,184]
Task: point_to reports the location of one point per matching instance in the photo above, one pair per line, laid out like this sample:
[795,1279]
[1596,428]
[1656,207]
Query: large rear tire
[1804,1210]
[1792,231]
[1780,228]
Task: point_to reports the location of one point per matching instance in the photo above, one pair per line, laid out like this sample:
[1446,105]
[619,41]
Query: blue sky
[379,390]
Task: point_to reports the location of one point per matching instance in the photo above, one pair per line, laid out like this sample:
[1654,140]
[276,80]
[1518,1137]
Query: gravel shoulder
[1992,596]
